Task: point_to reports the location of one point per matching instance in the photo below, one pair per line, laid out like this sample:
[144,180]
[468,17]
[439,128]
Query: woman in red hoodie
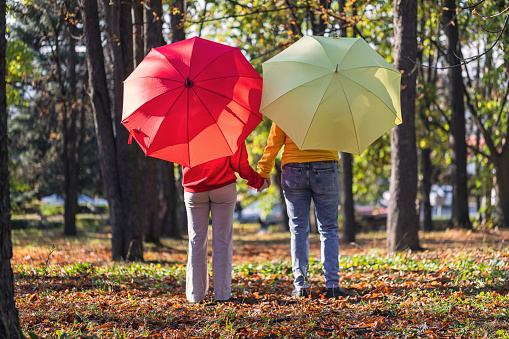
[210,188]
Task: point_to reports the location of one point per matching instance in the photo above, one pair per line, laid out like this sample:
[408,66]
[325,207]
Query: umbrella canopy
[331,93]
[192,101]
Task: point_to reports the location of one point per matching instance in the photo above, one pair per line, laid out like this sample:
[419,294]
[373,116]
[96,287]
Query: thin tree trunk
[425,154]
[317,21]
[181,206]
[460,216]
[347,202]
[104,127]
[138,41]
[177,20]
[9,321]
[402,219]
[286,219]
[173,215]
[347,199]
[502,189]
[149,166]
[168,199]
[118,24]
[427,172]
[71,159]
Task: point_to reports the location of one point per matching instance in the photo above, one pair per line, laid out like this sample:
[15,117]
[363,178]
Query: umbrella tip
[188,82]
[337,68]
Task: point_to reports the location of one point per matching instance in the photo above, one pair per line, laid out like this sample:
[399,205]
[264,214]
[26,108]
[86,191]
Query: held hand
[266,183]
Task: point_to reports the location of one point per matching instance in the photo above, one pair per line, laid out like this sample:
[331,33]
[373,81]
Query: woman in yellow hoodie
[308,174]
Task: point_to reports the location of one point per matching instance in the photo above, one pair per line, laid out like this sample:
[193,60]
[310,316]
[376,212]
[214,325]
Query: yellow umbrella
[331,93]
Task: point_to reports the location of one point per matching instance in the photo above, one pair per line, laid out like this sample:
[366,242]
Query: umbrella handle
[188,82]
[131,132]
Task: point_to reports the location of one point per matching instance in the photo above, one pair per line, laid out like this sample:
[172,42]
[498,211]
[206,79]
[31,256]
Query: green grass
[447,291]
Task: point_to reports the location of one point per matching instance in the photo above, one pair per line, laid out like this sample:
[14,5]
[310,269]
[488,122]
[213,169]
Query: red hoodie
[221,172]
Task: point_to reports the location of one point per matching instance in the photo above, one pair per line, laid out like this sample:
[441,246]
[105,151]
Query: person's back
[210,190]
[306,175]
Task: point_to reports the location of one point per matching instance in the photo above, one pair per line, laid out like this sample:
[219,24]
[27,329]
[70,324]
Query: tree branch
[477,120]
[504,101]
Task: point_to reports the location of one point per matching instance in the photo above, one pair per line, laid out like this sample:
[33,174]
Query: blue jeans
[301,182]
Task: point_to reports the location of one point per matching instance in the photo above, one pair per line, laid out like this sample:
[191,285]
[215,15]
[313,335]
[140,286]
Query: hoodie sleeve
[240,164]
[275,141]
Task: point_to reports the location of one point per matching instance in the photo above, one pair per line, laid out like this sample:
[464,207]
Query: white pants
[220,203]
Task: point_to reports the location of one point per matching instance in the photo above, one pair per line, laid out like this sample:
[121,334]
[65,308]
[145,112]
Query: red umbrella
[192,101]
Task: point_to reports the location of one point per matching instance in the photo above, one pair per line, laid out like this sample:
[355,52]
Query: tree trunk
[138,44]
[427,172]
[181,206]
[149,166]
[402,219]
[177,20]
[172,207]
[277,179]
[119,24]
[104,128]
[9,321]
[347,200]
[168,199]
[457,142]
[502,189]
[425,156]
[71,158]
[316,18]
[313,222]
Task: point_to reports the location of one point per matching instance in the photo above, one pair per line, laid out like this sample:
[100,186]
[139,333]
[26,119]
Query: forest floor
[458,287]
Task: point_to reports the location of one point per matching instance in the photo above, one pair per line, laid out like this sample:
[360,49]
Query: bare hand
[266,183]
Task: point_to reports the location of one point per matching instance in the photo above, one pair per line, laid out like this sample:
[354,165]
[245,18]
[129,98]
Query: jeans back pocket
[291,177]
[326,179]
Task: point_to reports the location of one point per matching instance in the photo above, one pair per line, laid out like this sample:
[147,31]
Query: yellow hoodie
[291,153]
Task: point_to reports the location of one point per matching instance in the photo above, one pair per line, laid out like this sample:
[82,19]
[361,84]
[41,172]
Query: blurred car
[254,213]
[58,200]
[439,195]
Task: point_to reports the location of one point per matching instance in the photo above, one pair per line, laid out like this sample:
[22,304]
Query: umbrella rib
[353,122]
[152,140]
[211,61]
[210,116]
[187,130]
[374,94]
[332,69]
[303,63]
[224,96]
[372,66]
[171,90]
[226,76]
[152,77]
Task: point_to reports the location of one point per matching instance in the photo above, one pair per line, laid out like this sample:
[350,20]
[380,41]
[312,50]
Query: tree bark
[172,210]
[138,44]
[427,168]
[9,321]
[502,189]
[427,172]
[177,20]
[104,129]
[317,21]
[402,219]
[457,142]
[277,179]
[347,199]
[70,151]
[149,166]
[118,20]
[118,26]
